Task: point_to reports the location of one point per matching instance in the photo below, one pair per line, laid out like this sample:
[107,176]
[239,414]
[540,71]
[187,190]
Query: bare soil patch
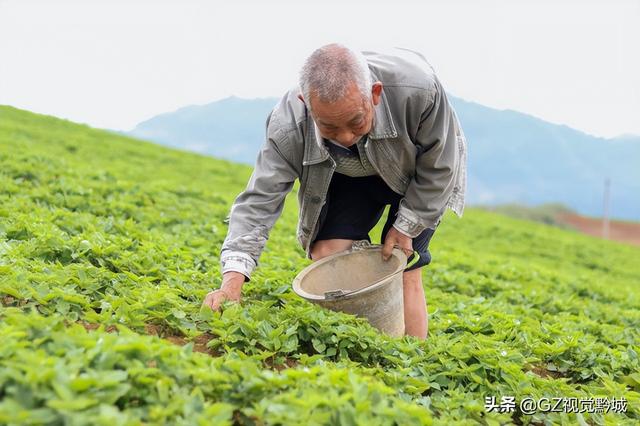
[625,232]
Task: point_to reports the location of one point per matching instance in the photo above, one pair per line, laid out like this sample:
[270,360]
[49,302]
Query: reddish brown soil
[625,232]
[288,363]
[199,342]
[543,372]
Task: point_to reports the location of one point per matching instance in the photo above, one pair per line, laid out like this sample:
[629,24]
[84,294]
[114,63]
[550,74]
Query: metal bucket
[358,282]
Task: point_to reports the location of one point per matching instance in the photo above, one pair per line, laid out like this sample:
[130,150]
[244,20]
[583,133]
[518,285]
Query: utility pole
[605,215]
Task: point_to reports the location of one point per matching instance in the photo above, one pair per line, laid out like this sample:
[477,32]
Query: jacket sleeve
[438,161]
[256,209]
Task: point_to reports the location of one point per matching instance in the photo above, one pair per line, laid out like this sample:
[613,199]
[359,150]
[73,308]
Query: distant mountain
[232,128]
[628,137]
[513,157]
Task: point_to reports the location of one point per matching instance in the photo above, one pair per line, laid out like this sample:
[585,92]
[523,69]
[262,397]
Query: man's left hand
[396,238]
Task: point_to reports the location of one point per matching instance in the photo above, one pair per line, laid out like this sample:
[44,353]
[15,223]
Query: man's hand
[396,238]
[230,289]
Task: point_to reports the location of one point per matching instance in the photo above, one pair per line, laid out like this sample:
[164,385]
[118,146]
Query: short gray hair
[330,70]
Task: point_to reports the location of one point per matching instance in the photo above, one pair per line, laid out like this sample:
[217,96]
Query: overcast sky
[115,63]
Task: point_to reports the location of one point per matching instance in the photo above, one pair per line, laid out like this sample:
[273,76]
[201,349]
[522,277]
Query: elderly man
[361,131]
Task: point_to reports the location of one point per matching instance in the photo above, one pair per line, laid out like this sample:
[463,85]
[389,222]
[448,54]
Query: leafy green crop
[108,246]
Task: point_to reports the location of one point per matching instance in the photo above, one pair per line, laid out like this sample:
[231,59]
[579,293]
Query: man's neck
[342,146]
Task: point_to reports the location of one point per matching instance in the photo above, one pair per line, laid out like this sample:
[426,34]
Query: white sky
[115,63]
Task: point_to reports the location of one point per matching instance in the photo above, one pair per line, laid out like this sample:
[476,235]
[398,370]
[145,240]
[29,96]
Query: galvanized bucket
[359,282]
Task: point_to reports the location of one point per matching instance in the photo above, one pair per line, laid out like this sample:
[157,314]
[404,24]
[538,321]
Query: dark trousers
[354,206]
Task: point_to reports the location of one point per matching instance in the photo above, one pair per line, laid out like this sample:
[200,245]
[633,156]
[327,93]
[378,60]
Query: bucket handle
[414,259]
[364,244]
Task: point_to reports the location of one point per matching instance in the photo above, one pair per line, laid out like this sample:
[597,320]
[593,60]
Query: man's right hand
[230,289]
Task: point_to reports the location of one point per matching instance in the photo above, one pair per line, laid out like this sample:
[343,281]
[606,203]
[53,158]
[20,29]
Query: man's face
[348,119]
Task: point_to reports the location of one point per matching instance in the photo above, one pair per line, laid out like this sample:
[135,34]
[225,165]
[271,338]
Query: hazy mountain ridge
[513,157]
[232,128]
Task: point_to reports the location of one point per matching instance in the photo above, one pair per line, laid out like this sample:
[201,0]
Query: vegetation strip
[108,246]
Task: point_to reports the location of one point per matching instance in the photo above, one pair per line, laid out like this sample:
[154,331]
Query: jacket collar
[314,150]
[382,128]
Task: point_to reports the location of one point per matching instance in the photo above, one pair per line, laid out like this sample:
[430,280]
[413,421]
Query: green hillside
[108,246]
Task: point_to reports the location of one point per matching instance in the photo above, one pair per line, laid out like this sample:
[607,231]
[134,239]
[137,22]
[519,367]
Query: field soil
[625,232]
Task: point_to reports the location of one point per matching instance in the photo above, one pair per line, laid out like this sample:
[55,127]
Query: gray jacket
[416,145]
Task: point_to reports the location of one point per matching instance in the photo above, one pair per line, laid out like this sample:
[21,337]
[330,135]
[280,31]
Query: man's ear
[376,92]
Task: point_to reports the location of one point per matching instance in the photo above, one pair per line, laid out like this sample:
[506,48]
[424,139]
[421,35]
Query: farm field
[108,246]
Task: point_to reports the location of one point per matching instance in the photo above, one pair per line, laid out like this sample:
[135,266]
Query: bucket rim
[317,297]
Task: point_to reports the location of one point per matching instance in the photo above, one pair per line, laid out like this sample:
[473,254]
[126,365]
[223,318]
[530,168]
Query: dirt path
[625,232]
